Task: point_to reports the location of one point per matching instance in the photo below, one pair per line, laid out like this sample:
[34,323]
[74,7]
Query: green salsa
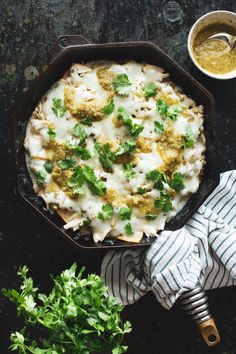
[215,55]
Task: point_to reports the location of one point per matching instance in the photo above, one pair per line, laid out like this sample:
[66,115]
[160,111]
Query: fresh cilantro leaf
[81,152]
[77,316]
[106,213]
[158,127]
[58,108]
[106,156]
[150,90]
[95,184]
[141,190]
[177,182]
[51,133]
[67,163]
[134,128]
[188,139]
[128,146]
[128,229]
[122,84]
[40,177]
[109,108]
[173,115]
[86,121]
[76,180]
[162,107]
[80,132]
[163,203]
[48,165]
[120,349]
[159,178]
[125,213]
[150,216]
[128,170]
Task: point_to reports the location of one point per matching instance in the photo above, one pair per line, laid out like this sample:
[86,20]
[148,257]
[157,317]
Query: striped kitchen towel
[202,252]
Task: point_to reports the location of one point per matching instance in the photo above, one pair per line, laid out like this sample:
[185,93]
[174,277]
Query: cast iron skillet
[72,48]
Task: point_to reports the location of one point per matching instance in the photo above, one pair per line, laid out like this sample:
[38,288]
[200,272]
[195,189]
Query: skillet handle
[63,42]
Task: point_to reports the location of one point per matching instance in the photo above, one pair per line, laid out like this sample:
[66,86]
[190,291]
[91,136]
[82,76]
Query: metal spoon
[226,37]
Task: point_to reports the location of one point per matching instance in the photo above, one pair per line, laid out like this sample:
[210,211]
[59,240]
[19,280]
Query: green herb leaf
[122,84]
[51,133]
[159,178]
[106,156]
[128,229]
[173,115]
[40,177]
[141,190]
[128,146]
[106,213]
[80,132]
[163,203]
[150,216]
[128,170]
[188,139]
[58,108]
[76,181]
[77,316]
[134,128]
[67,163]
[150,90]
[95,184]
[177,182]
[125,213]
[86,121]
[81,152]
[109,108]
[162,107]
[48,165]
[158,127]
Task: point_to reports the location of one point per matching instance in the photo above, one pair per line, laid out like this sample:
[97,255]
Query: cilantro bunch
[77,317]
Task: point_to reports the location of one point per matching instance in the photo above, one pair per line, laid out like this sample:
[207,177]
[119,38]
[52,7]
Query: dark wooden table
[27,29]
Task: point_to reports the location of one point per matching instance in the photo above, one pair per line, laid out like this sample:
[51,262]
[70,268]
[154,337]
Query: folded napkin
[202,252]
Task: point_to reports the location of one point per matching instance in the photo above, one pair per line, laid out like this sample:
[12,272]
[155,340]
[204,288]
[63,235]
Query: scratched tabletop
[27,29]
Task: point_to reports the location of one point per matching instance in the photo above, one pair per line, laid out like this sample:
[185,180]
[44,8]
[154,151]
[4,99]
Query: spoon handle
[195,303]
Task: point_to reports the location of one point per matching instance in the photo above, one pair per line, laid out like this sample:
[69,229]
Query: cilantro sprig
[58,108]
[128,146]
[188,139]
[164,110]
[108,109]
[106,156]
[125,213]
[150,90]
[106,213]
[51,133]
[158,127]
[48,166]
[158,178]
[164,202]
[77,316]
[67,163]
[80,132]
[177,181]
[95,184]
[122,85]
[128,229]
[86,121]
[76,180]
[40,177]
[128,170]
[134,128]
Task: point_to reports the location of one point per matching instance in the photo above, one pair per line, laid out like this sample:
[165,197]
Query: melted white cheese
[82,79]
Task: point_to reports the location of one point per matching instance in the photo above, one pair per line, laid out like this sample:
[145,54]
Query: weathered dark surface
[28,28]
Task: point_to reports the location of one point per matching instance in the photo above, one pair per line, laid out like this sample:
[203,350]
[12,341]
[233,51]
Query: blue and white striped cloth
[203,251]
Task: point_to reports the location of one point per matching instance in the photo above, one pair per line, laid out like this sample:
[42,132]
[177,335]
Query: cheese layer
[84,122]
